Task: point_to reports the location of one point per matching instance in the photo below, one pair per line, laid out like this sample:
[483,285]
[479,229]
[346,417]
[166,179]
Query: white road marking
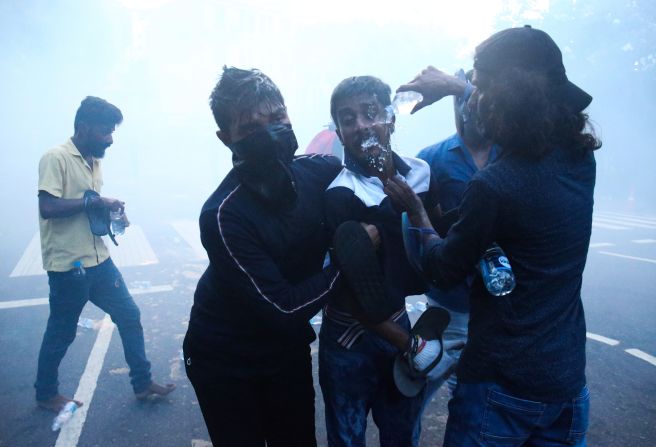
[642,355]
[596,224]
[153,289]
[618,221]
[601,244]
[23,303]
[644,241]
[30,262]
[189,231]
[70,432]
[627,217]
[42,301]
[633,351]
[601,338]
[634,258]
[134,249]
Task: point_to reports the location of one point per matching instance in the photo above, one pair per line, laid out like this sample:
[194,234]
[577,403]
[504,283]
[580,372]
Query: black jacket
[266,277]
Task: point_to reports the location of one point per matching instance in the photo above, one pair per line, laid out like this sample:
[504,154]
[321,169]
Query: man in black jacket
[247,348]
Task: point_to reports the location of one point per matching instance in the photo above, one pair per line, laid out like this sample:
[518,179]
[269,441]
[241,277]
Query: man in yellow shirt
[77,261]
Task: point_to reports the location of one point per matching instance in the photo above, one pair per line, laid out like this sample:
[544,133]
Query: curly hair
[239,90]
[518,111]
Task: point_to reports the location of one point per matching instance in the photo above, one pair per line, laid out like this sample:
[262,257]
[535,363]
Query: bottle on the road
[497,274]
[64,415]
[78,270]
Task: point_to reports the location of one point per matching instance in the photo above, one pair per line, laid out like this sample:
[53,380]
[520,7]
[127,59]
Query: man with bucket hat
[522,374]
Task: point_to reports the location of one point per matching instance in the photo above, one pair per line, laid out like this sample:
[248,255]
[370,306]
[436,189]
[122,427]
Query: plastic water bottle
[404,102]
[117,219]
[88,323]
[64,415]
[495,269]
[78,270]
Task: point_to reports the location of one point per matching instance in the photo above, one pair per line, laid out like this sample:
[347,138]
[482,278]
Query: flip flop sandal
[430,326]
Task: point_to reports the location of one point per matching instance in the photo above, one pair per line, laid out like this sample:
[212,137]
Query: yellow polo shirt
[64,173]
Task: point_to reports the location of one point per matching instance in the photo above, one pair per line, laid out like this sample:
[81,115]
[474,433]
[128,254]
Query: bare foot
[56,403]
[155,389]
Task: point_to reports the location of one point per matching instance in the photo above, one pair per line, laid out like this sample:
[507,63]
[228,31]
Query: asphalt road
[161,263]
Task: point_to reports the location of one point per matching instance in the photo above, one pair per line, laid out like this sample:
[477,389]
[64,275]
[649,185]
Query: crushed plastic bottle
[497,274]
[404,102]
[316,320]
[64,415]
[117,220]
[420,306]
[409,307]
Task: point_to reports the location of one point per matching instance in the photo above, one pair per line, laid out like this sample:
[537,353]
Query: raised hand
[434,85]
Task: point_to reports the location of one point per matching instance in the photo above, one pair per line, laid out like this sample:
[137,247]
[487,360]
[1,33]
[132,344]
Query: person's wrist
[457,86]
[419,218]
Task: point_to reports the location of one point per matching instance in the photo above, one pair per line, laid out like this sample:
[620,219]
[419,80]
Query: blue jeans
[103,285]
[456,330]
[484,414]
[358,380]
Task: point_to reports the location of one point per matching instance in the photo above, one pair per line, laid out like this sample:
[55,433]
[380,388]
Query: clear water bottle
[117,219]
[404,102]
[64,415]
[495,269]
[78,270]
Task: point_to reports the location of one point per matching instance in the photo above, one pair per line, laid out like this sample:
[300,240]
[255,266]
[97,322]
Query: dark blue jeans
[358,380]
[484,414]
[103,285]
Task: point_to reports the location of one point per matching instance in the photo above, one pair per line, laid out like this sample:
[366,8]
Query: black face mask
[261,161]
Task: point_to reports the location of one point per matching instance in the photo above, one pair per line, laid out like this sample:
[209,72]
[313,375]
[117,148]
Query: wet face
[98,138]
[364,127]
[247,122]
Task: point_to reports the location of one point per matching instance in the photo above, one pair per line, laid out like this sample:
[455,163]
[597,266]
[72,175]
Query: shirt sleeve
[51,174]
[255,277]
[341,205]
[450,260]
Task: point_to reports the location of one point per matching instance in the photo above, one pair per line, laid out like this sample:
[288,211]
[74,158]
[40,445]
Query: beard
[98,151]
